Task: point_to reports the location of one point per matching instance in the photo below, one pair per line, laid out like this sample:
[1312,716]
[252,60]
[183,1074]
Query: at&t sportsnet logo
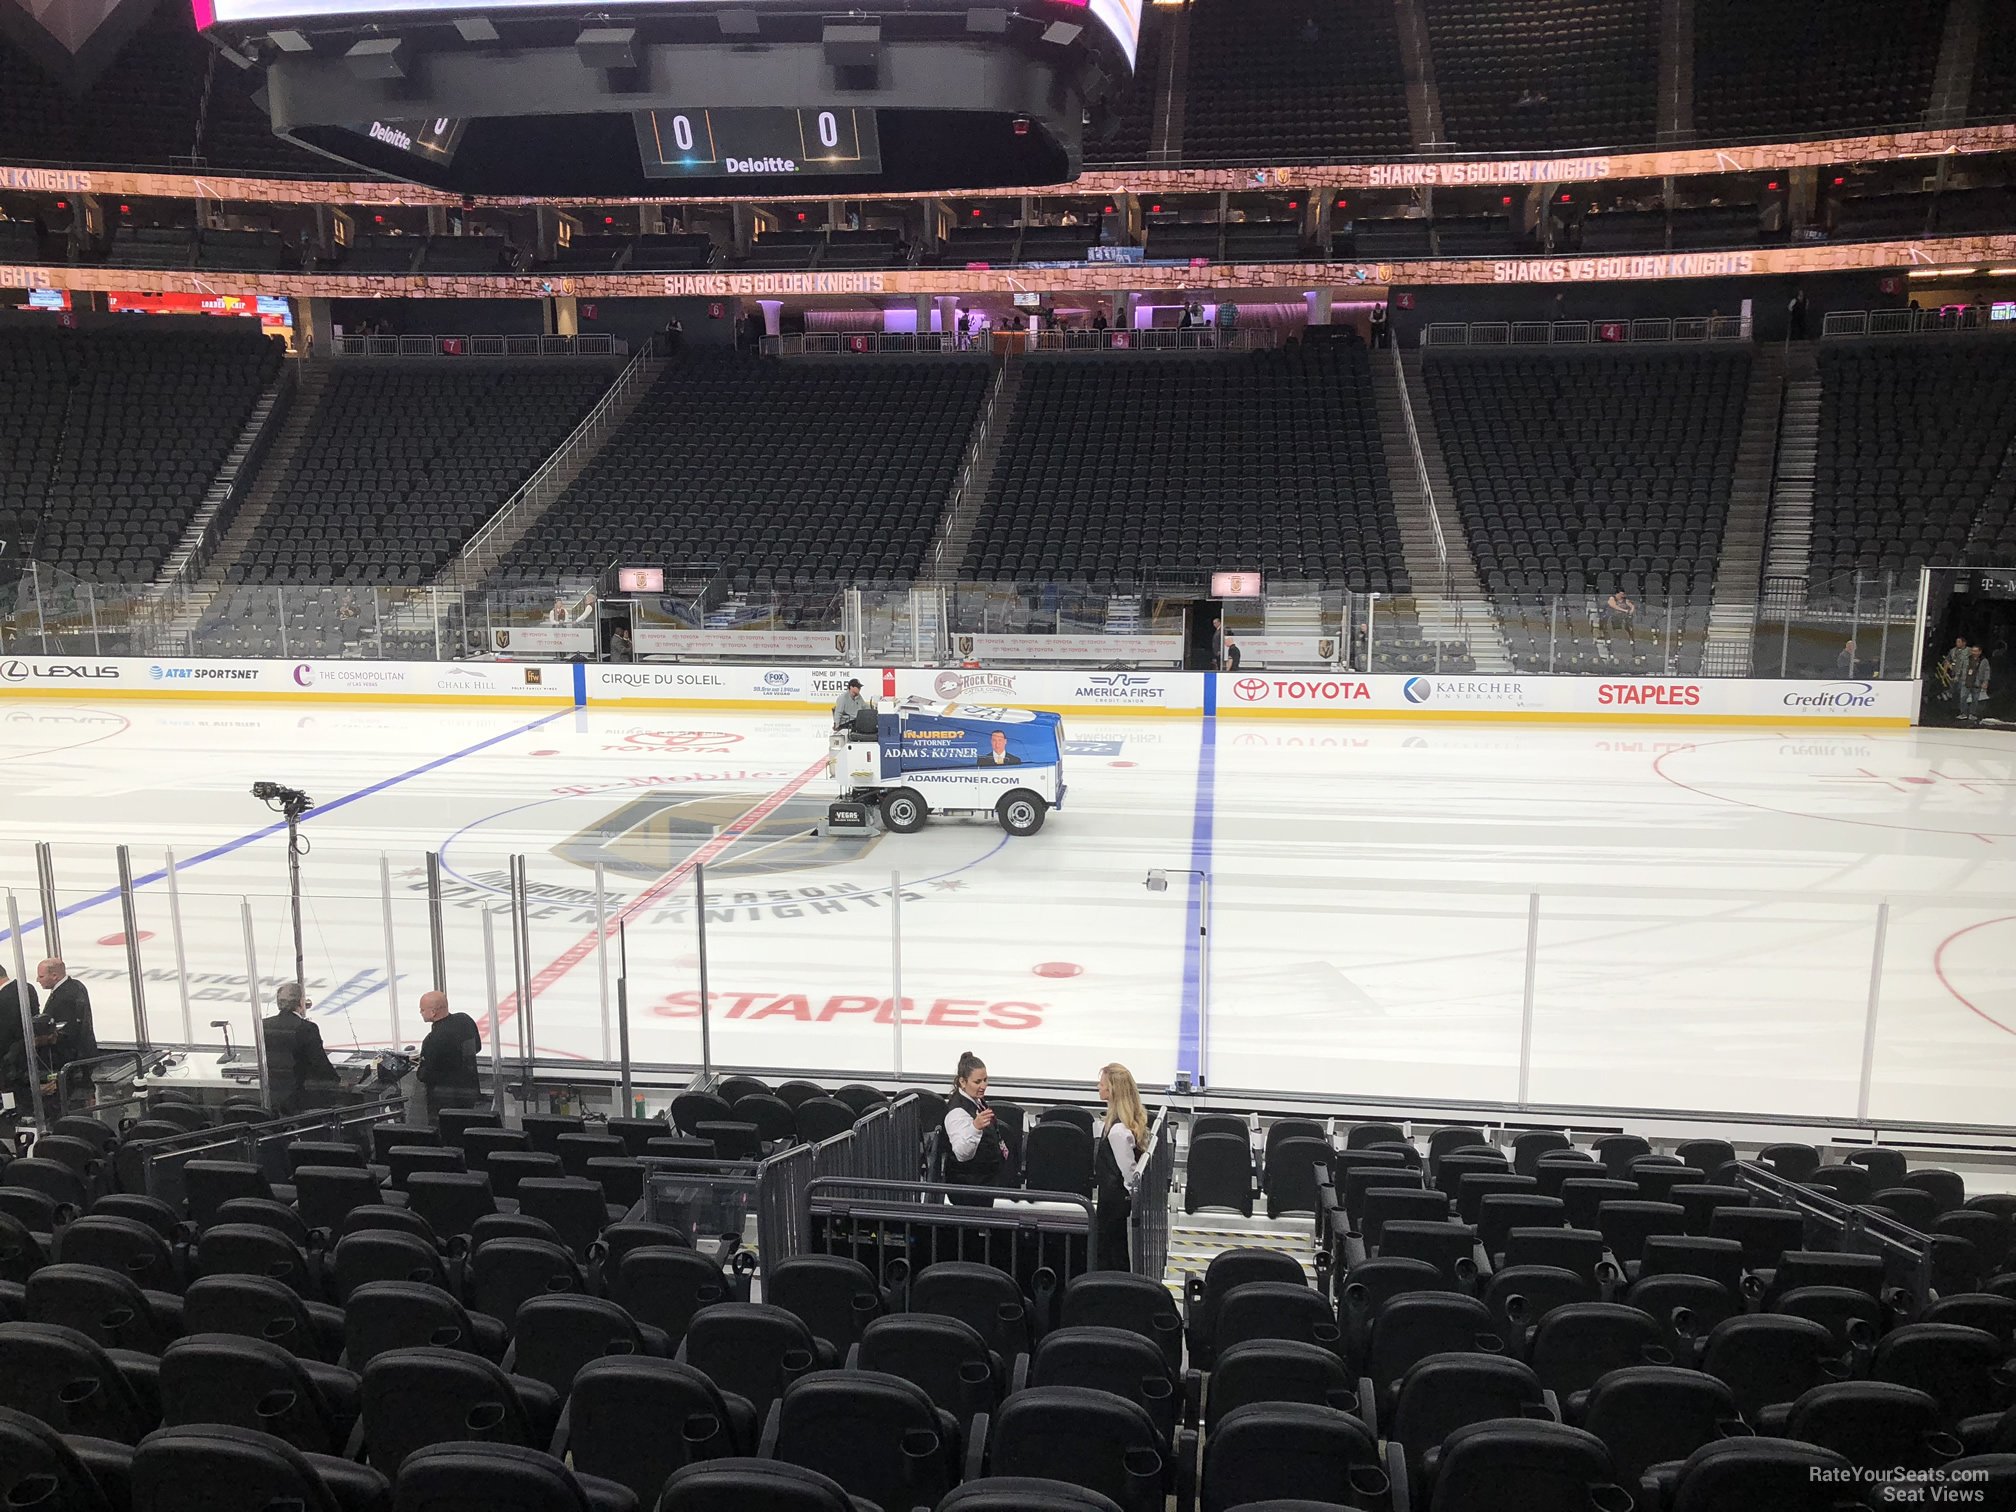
[159,673]
[1841,695]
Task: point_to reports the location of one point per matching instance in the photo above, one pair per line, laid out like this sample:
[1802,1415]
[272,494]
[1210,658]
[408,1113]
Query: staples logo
[1658,695]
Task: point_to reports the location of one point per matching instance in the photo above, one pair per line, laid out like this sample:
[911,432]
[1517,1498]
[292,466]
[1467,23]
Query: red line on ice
[729,833]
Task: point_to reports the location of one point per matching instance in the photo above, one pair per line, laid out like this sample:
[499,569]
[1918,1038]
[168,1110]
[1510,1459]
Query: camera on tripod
[285,797]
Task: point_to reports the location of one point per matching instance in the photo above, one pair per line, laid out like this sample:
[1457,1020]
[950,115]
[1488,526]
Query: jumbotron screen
[1120,18]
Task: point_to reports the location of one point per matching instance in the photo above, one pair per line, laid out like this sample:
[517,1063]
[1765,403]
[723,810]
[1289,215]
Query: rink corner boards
[799,690]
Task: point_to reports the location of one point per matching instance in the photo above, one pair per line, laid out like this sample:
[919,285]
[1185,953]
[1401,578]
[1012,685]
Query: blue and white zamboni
[907,761]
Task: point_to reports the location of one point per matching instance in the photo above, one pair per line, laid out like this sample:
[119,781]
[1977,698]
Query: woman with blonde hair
[1118,1162]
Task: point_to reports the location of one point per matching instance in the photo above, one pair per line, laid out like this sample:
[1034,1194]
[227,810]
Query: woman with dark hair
[975,1152]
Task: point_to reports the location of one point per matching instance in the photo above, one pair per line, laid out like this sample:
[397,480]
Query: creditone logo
[953,685]
[1658,695]
[1302,689]
[15,670]
[1417,690]
[1841,695]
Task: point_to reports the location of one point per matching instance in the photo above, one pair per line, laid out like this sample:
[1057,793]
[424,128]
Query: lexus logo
[1251,688]
[13,671]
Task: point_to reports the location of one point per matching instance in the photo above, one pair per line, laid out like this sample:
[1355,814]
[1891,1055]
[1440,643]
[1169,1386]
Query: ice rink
[1698,913]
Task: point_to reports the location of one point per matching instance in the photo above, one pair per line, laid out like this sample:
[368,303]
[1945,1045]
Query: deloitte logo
[1418,690]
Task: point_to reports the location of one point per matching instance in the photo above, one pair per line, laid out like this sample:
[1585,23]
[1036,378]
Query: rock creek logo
[954,685]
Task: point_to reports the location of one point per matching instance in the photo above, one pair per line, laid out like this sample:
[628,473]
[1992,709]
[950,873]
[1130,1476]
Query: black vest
[984,1169]
[1112,1186]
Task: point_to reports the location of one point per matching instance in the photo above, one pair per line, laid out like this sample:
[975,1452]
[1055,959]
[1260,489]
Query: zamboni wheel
[903,812]
[1021,813]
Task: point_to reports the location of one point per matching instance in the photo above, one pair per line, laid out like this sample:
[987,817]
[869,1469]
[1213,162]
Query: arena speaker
[607,47]
[380,58]
[853,44]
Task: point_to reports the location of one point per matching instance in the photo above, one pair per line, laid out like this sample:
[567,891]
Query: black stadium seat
[778,471]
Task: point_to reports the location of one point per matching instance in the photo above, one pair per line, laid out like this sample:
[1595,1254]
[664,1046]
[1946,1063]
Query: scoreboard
[615,97]
[773,141]
[1120,19]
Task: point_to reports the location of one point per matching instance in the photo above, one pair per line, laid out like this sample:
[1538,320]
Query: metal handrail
[1912,321]
[1421,474]
[974,450]
[479,557]
[1503,333]
[948,344]
[457,346]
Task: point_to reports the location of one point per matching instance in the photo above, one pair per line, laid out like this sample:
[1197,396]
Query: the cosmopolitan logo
[703,284]
[1514,171]
[1843,695]
[16,671]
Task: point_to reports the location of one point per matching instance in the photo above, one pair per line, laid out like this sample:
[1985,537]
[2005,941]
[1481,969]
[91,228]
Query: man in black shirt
[296,1063]
[14,1057]
[449,1056]
[70,1006]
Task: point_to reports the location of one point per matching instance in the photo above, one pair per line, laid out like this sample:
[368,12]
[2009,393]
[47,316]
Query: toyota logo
[1251,688]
